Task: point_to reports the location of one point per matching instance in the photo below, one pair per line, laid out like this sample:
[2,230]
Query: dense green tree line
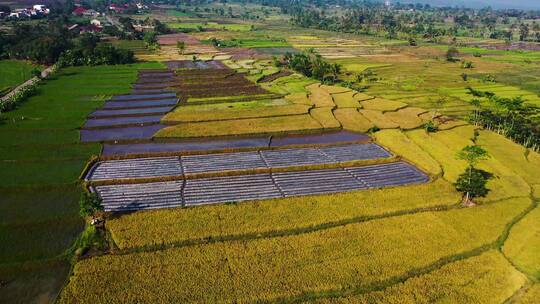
[46,42]
[311,64]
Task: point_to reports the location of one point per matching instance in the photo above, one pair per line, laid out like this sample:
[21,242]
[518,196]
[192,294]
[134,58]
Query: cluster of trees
[311,64]
[406,20]
[46,43]
[510,117]
[87,50]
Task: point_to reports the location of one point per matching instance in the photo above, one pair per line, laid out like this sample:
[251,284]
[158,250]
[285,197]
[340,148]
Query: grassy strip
[309,262]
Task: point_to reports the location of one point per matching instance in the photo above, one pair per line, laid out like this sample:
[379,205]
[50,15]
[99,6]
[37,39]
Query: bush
[430,127]
[467,64]
[102,54]
[20,96]
[89,204]
[452,54]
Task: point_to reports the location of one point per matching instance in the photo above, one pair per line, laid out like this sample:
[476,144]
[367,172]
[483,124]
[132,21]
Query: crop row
[289,267]
[123,197]
[175,166]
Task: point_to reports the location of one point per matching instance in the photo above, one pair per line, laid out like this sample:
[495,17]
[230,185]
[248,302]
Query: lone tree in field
[452,54]
[472,182]
[181,46]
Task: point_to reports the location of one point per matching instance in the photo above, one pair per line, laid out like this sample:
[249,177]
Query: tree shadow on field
[126,210]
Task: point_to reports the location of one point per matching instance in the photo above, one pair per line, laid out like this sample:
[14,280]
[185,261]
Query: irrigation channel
[274,167]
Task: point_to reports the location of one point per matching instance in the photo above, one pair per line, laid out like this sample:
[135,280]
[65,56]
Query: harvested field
[352,120]
[379,119]
[319,96]
[251,126]
[335,89]
[252,187]
[380,104]
[325,117]
[406,118]
[212,163]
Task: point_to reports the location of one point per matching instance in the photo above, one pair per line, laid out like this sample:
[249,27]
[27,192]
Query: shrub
[20,96]
[89,204]
[467,64]
[430,127]
[452,54]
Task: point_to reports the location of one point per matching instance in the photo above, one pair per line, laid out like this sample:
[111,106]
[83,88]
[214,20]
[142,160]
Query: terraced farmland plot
[230,189]
[141,196]
[157,95]
[317,182]
[255,187]
[222,162]
[207,163]
[131,112]
[120,133]
[133,168]
[121,121]
[140,104]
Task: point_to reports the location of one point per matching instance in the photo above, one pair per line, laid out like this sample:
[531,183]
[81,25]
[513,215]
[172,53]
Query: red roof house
[79,11]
